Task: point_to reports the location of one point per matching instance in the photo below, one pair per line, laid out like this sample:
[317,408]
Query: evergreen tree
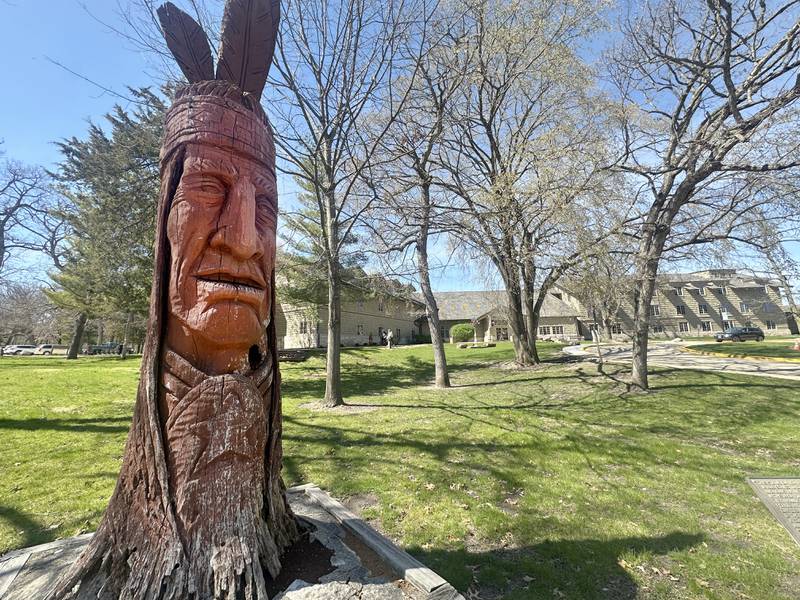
[111,179]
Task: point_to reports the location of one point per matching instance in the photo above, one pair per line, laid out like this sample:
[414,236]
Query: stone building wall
[362,323]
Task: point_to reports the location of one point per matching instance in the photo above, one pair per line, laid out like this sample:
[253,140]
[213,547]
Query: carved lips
[226,285]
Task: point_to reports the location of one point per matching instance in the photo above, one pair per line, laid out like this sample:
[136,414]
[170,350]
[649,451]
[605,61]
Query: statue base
[338,556]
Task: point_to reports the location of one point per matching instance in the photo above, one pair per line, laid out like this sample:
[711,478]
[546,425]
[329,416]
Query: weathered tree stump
[199,510]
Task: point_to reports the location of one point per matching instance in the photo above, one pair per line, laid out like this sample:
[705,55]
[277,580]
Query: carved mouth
[232,286]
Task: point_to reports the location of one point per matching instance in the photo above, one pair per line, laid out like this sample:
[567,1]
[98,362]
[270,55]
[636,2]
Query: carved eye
[209,189]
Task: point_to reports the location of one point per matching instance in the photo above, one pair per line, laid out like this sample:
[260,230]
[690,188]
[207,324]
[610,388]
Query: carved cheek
[188,230]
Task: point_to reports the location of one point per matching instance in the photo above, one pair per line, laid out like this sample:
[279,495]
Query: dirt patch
[359,502]
[369,558]
[510,504]
[344,409]
[305,559]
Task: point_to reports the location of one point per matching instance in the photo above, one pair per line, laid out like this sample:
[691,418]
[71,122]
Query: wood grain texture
[188,43]
[249,32]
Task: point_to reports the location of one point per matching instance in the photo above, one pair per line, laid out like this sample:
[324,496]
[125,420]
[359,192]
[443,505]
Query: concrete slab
[781,495]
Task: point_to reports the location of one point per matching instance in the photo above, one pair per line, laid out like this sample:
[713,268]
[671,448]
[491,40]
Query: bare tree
[705,92]
[407,213]
[24,206]
[603,283]
[522,148]
[335,66]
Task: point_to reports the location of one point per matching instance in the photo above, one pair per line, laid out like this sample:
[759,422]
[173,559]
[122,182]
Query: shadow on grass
[34,532]
[371,379]
[554,568]
[100,425]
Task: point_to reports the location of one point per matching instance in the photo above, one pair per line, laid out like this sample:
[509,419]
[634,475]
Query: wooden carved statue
[199,510]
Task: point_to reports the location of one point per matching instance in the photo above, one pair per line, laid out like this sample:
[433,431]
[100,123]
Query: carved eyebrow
[266,186]
[216,165]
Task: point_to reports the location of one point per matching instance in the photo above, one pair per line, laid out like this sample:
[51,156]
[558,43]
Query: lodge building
[685,305]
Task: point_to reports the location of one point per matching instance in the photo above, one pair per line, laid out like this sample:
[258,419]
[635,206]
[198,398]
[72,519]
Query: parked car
[22,349]
[107,348]
[48,349]
[741,334]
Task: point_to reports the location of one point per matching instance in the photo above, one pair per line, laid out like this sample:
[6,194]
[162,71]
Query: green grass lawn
[543,483]
[766,349]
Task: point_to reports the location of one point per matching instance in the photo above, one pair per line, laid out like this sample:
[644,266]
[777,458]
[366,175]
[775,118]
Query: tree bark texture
[77,336]
[651,247]
[333,376]
[431,311]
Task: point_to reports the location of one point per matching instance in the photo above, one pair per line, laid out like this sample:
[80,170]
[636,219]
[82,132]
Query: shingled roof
[458,306]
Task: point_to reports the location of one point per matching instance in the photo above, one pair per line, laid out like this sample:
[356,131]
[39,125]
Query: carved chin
[226,322]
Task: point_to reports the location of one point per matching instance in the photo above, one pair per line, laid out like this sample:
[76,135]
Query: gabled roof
[717,277]
[458,306]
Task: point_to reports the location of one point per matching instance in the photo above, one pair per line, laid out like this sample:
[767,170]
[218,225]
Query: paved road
[670,355]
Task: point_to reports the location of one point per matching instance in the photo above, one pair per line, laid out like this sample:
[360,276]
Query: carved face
[221,232]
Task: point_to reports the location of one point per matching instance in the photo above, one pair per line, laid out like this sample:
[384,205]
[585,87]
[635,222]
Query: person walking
[389,338]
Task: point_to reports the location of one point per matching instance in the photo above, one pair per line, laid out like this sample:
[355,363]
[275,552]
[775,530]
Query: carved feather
[249,31]
[188,43]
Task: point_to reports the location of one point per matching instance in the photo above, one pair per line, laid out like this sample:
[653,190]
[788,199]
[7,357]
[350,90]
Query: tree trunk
[525,356]
[649,256]
[431,308]
[77,336]
[333,379]
[124,353]
[531,315]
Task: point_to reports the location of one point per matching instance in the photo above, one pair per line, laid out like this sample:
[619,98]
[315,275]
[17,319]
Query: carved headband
[220,122]
[222,108]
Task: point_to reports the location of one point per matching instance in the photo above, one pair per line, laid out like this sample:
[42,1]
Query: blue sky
[43,103]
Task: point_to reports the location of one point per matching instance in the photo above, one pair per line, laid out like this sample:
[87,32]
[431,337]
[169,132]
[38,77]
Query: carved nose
[236,231]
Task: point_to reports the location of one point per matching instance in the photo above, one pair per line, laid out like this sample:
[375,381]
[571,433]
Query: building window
[683,327]
[770,307]
[728,325]
[771,324]
[445,333]
[360,305]
[680,309]
[705,325]
[701,291]
[380,305]
[616,328]
[501,333]
[723,291]
[359,329]
[658,329]
[303,326]
[558,330]
[744,307]
[654,310]
[544,330]
[679,291]
[702,309]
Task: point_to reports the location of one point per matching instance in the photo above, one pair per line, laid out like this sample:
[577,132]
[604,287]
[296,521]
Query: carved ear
[249,32]
[188,43]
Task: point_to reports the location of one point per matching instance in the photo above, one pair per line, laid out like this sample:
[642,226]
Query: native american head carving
[218,169]
[199,510]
